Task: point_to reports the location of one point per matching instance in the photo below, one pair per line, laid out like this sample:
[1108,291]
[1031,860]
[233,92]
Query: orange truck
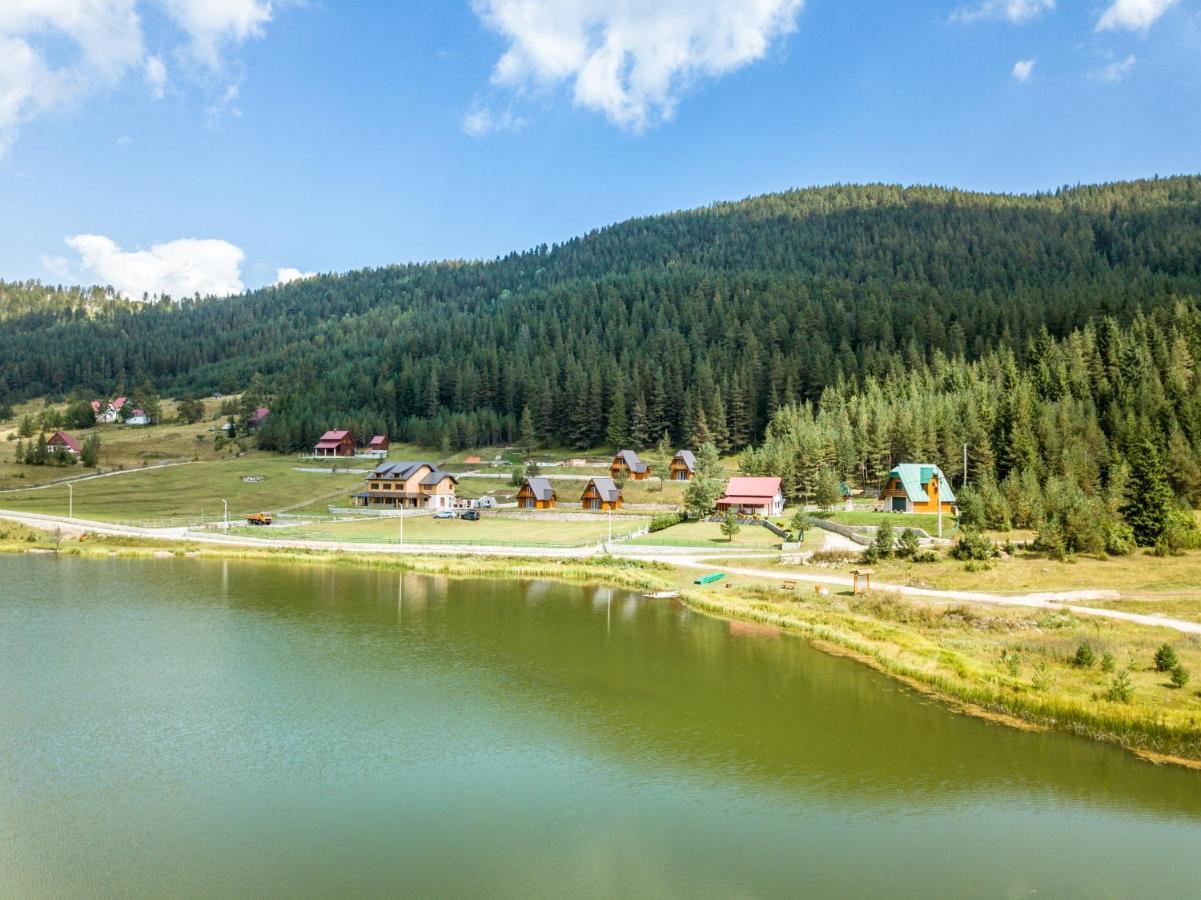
[259,518]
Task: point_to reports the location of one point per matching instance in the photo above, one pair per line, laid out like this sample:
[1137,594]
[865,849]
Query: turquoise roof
[914,477]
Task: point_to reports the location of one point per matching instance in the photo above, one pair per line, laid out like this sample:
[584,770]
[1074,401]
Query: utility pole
[964,484]
[226,525]
[70,500]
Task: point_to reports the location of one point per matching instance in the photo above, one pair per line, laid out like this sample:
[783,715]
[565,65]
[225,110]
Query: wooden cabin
[601,494]
[408,485]
[335,443]
[62,440]
[917,488]
[626,464]
[683,466]
[536,493]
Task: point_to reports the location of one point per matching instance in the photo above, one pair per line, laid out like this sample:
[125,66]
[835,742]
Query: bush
[1041,680]
[1165,659]
[1121,689]
[1180,533]
[1085,657]
[974,546]
[883,547]
[908,544]
[1108,663]
[925,556]
[660,521]
[1180,676]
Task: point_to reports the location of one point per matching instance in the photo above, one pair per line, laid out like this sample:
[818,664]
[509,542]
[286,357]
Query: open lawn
[928,522]
[492,528]
[708,534]
[186,491]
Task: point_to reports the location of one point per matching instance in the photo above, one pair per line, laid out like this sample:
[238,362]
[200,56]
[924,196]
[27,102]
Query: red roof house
[64,440]
[259,416]
[380,442]
[335,443]
[753,496]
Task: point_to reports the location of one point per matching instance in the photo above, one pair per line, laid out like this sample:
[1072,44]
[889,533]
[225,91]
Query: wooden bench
[788,586]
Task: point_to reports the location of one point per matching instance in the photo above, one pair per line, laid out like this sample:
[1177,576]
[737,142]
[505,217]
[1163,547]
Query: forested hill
[724,313]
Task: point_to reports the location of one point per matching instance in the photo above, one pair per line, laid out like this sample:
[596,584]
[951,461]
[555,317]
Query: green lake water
[181,727]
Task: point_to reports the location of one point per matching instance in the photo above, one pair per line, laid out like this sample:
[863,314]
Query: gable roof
[748,489]
[688,458]
[332,439]
[61,437]
[403,471]
[260,413]
[606,487]
[633,463]
[379,440]
[119,403]
[915,476]
[540,488]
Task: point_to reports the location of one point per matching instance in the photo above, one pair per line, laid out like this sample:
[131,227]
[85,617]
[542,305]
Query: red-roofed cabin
[259,416]
[749,496]
[63,440]
[335,443]
[380,442]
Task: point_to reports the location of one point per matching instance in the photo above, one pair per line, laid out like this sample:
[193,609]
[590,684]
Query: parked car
[470,515]
[444,514]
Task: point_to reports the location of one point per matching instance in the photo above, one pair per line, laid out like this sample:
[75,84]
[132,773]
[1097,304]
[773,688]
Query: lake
[187,727]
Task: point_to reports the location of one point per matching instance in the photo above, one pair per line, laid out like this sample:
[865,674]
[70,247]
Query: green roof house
[917,488]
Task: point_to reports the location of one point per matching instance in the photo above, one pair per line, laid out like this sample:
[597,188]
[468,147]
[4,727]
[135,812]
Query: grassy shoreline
[942,653]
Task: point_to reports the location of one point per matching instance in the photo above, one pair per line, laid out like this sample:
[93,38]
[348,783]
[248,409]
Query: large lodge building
[408,485]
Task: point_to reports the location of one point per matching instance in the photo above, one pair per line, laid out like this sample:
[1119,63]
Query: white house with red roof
[107,412]
[753,496]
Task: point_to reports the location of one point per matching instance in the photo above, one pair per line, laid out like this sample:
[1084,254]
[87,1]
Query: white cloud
[1022,70]
[1133,15]
[481,121]
[211,23]
[627,59]
[179,268]
[287,275]
[156,76]
[56,52]
[1116,71]
[1016,11]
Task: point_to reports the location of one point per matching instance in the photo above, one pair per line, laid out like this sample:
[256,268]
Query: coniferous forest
[1056,336]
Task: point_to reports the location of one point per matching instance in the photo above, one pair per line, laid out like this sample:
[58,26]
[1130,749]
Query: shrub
[1180,533]
[1041,680]
[974,546]
[1108,663]
[1121,689]
[660,521]
[1180,676]
[1013,662]
[883,547]
[1165,659]
[1085,657]
[925,556]
[836,556]
[908,544]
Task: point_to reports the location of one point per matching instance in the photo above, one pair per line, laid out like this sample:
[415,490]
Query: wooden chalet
[62,440]
[335,443]
[683,466]
[601,494]
[408,485]
[917,488]
[379,442]
[536,493]
[626,464]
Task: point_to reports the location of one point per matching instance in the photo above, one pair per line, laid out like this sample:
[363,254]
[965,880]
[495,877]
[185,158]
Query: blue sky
[208,144]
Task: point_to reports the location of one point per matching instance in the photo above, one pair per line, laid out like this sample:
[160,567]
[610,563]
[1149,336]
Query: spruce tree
[1148,493]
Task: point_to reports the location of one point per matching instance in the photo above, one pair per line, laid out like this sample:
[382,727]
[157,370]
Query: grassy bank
[1011,665]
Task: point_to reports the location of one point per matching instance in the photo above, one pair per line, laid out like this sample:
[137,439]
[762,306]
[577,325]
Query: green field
[708,534]
[928,522]
[186,491]
[490,529]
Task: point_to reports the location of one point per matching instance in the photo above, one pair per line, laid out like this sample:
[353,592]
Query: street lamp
[226,504]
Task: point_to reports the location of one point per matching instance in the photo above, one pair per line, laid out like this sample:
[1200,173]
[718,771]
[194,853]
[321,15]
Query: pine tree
[617,432]
[528,439]
[1149,496]
[89,454]
[639,425]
